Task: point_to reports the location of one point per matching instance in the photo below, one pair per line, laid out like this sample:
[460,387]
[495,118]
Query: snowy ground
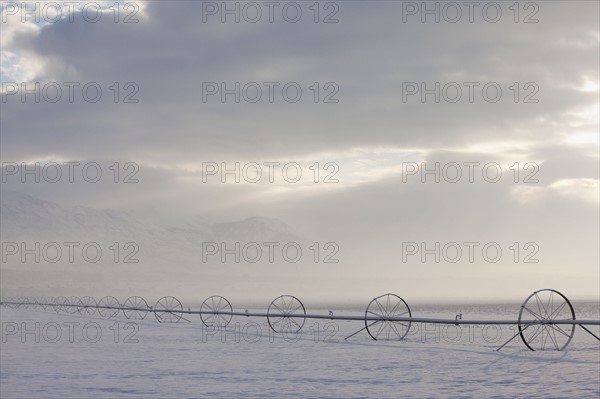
[152,360]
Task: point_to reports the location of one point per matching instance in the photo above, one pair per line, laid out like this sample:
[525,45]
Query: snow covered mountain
[156,253]
[27,218]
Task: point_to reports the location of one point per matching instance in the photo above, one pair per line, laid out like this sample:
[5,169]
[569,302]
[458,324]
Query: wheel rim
[546,305]
[217,305]
[41,302]
[384,307]
[88,306]
[47,303]
[135,308]
[28,303]
[166,310]
[108,307]
[279,312]
[58,304]
[73,303]
[22,303]
[12,305]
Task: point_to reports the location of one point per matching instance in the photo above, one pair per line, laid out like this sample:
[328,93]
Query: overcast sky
[367,61]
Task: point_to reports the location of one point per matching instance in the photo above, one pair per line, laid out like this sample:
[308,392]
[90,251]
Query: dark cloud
[171,52]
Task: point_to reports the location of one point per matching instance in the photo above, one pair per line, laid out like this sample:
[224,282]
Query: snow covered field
[186,360]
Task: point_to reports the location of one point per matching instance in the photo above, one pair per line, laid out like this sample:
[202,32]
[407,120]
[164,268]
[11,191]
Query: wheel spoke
[387,306]
[225,320]
[548,304]
[558,310]
[376,314]
[541,307]
[225,306]
[537,316]
[278,308]
[395,307]
[545,338]
[557,328]
[396,330]
[296,323]
[296,308]
[383,312]
[553,337]
[381,328]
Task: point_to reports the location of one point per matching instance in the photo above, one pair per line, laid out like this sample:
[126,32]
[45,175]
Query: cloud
[170,52]
[368,134]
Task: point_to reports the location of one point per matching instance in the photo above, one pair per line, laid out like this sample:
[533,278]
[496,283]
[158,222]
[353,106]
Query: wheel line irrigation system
[546,320]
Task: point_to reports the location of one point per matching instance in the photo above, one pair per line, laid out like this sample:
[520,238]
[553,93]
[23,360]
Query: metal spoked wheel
[24,303]
[28,303]
[545,306]
[88,306]
[33,303]
[211,311]
[135,308]
[41,302]
[168,310]
[10,302]
[285,314]
[47,303]
[384,307]
[72,304]
[58,304]
[108,307]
